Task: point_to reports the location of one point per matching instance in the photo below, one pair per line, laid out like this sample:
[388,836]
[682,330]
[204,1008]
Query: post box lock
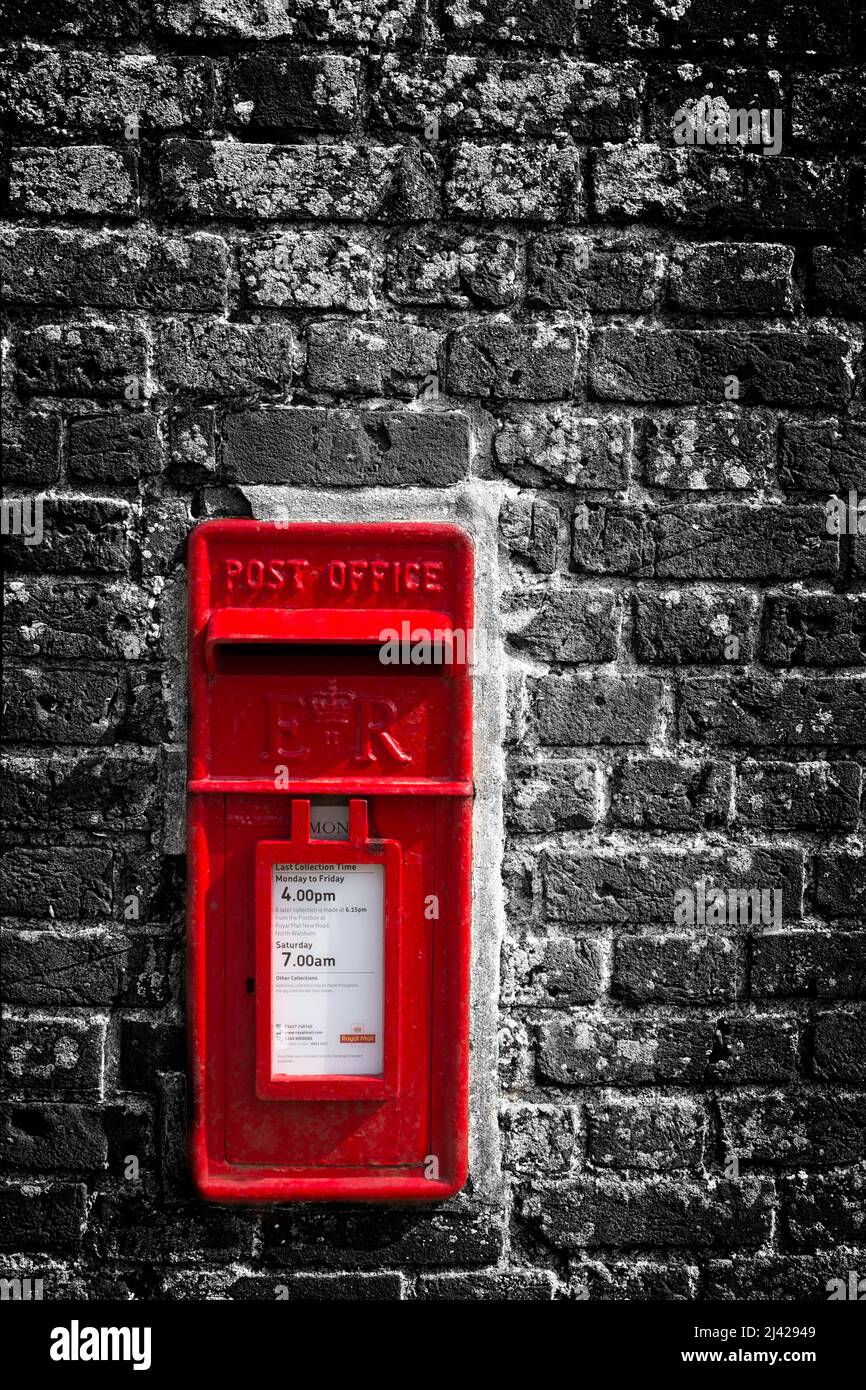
[330,800]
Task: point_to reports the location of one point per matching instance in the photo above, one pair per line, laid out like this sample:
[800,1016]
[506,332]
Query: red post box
[330,807]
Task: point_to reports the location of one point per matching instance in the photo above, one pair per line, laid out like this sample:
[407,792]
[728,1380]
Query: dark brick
[553,795]
[38,1217]
[78,533]
[840,280]
[675,628]
[522,361]
[568,270]
[721,192]
[149,1046]
[597,709]
[840,1045]
[562,446]
[676,969]
[74,620]
[31,448]
[634,886]
[57,882]
[819,796]
[684,366]
[537,182]
[140,270]
[817,964]
[758,710]
[670,793]
[840,883]
[592,1212]
[578,625]
[371,358]
[303,92]
[699,450]
[825,1211]
[814,630]
[823,455]
[793,1127]
[114,448]
[553,970]
[74,180]
[627,1134]
[60,706]
[56,1055]
[442,266]
[730,278]
[343,448]
[85,358]
[52,1138]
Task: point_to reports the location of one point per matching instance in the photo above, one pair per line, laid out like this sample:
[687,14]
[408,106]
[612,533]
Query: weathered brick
[823,455]
[52,1137]
[729,192]
[461,1236]
[612,539]
[592,1212]
[380,22]
[817,964]
[700,450]
[840,1045]
[101,19]
[670,793]
[75,179]
[601,275]
[675,627]
[124,270]
[840,882]
[729,278]
[79,619]
[469,96]
[513,1286]
[58,882]
[61,705]
[528,183]
[522,361]
[377,358]
[553,970]
[356,182]
[684,366]
[819,796]
[31,448]
[312,269]
[443,266]
[36,1216]
[220,358]
[60,1054]
[87,357]
[347,448]
[825,106]
[78,533]
[59,89]
[787,1127]
[825,1210]
[149,1046]
[577,625]
[668,1133]
[711,88]
[294,91]
[597,709]
[553,795]
[114,448]
[814,630]
[538,1136]
[563,446]
[45,967]
[115,787]
[840,280]
[761,710]
[676,969]
[530,529]
[642,885]
[742,542]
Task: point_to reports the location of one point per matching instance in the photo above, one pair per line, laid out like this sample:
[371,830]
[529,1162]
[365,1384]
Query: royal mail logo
[357,1037]
[359,726]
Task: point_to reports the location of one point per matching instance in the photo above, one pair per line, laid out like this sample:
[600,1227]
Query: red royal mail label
[358,1037]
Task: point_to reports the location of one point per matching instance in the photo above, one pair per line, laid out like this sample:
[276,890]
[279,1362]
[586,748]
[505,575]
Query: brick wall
[375,243]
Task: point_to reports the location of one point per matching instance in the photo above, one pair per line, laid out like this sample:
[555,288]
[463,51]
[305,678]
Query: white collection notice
[327,969]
